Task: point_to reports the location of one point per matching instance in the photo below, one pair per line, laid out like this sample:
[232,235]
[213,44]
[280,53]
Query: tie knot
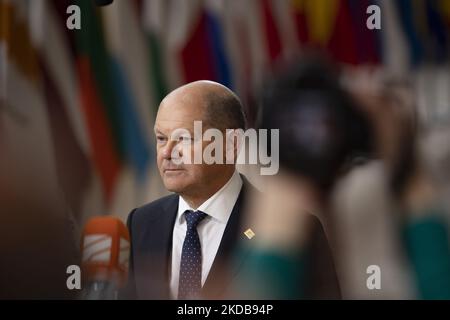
[193,218]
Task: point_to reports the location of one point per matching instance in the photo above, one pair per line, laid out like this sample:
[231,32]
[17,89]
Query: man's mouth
[172,169]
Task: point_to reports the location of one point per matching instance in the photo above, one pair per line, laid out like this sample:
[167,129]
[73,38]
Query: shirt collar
[220,204]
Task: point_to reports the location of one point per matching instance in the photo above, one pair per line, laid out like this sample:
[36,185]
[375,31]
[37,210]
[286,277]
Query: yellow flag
[445,8]
[320,18]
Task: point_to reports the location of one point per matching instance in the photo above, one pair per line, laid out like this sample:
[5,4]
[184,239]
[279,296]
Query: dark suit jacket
[151,230]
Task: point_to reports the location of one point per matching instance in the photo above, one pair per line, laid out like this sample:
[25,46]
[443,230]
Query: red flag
[274,47]
[342,45]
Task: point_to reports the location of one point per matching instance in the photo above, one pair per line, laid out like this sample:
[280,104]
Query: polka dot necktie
[191,258]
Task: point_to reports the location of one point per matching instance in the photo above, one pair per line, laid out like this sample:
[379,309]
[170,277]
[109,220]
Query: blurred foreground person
[390,214]
[320,132]
[38,231]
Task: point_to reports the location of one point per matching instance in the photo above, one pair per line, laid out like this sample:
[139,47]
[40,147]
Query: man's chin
[174,184]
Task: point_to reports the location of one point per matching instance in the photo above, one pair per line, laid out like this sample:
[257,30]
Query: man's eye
[160,139]
[185,139]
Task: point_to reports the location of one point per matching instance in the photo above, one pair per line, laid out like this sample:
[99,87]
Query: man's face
[174,130]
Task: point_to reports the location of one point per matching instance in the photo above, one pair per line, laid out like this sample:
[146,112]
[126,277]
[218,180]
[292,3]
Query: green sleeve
[268,274]
[427,245]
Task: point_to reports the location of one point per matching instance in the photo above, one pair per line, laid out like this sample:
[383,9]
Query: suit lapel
[158,243]
[167,223]
[224,267]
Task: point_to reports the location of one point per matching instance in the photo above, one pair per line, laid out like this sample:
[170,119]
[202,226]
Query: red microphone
[105,251]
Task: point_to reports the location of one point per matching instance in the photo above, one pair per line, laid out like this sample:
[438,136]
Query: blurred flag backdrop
[77,106]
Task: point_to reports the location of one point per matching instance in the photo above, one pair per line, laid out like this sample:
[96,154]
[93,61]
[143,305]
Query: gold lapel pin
[249,233]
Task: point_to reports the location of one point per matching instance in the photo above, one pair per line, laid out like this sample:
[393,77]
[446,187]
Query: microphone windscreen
[105,250]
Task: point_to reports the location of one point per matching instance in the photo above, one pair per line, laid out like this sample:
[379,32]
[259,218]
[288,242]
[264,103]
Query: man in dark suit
[182,246]
[180,242]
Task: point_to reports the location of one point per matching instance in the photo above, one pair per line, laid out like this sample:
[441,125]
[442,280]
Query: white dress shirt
[210,231]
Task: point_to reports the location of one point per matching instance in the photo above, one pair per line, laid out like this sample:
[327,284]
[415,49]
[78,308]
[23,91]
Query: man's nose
[171,150]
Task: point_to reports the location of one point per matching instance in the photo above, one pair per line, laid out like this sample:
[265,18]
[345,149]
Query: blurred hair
[321,128]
